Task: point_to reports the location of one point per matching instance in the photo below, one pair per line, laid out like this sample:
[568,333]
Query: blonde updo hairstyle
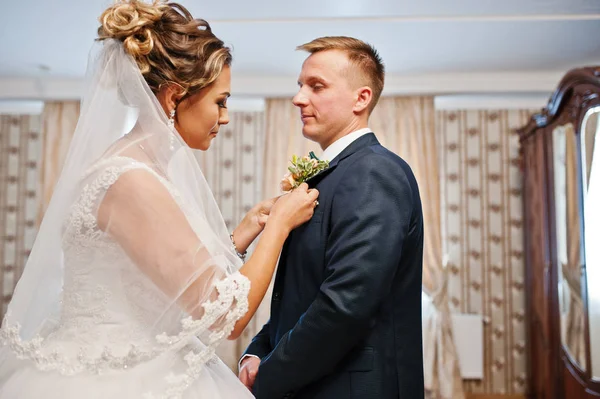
[167,43]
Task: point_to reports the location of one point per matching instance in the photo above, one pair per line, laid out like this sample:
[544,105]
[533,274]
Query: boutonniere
[302,169]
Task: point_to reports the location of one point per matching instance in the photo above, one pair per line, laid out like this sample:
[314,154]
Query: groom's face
[325,97]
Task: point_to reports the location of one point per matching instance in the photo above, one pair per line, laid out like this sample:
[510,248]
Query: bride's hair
[167,43]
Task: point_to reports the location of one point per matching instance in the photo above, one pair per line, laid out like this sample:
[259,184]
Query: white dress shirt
[340,144]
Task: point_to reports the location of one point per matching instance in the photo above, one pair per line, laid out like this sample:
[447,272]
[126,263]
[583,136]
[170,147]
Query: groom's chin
[310,133]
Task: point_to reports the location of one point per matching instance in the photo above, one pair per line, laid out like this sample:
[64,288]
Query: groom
[346,306]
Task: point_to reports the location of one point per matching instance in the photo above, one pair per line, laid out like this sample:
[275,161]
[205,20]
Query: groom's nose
[299,99]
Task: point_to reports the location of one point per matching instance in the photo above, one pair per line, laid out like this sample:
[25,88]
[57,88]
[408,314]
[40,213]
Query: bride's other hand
[295,208]
[259,214]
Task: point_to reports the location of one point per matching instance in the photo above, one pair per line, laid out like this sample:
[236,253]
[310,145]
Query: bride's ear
[169,95]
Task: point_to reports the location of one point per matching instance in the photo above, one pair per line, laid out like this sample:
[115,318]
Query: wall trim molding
[492,101]
[24,107]
[56,88]
[257,104]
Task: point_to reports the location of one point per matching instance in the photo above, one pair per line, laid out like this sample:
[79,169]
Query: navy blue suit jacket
[346,306]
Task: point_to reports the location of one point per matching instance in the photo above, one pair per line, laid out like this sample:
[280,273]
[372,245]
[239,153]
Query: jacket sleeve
[261,343]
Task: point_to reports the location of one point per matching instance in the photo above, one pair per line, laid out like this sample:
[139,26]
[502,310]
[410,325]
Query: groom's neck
[346,131]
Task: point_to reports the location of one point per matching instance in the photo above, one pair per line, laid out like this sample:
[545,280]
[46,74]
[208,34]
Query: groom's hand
[248,371]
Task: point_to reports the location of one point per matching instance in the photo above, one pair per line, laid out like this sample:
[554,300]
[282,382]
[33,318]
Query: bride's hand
[252,224]
[295,208]
[260,212]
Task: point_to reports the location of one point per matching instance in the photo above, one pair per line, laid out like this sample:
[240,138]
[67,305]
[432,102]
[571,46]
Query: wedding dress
[132,281]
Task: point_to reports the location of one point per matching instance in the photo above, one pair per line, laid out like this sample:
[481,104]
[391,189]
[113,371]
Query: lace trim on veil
[233,295]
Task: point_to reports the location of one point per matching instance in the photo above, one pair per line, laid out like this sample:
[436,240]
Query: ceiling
[40,38]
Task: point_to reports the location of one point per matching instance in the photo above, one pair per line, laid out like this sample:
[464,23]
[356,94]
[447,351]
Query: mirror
[590,165]
[567,197]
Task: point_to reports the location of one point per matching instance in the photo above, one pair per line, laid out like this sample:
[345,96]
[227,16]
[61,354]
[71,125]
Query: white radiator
[468,338]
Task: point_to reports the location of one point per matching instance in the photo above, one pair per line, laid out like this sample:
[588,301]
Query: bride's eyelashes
[222,102]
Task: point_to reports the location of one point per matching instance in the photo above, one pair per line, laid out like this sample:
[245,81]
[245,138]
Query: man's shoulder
[377,156]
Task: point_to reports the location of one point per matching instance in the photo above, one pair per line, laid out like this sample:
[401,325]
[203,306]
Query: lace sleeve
[169,243]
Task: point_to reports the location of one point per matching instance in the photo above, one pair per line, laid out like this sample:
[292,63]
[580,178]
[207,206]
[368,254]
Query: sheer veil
[123,147]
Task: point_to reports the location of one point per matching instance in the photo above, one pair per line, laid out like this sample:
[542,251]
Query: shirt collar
[340,144]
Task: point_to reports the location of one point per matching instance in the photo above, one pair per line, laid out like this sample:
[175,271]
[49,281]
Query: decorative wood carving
[575,78]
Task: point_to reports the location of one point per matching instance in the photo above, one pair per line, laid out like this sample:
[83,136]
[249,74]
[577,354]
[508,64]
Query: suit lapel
[313,181]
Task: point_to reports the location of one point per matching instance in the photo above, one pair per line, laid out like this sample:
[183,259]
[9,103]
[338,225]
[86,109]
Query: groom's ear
[364,96]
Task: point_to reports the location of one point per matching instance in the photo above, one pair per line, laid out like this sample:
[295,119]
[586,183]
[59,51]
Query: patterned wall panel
[233,166]
[19,155]
[483,237]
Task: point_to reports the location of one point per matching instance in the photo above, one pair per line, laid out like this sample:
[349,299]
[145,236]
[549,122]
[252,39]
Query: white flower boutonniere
[301,170]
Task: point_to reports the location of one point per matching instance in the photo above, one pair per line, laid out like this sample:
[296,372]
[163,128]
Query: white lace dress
[102,345]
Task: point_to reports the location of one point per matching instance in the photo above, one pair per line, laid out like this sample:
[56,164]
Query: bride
[133,279]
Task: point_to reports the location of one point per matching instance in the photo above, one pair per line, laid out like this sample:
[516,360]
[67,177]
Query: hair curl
[167,43]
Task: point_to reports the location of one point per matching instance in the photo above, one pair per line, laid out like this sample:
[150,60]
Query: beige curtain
[406,126]
[233,167]
[19,167]
[59,120]
[575,318]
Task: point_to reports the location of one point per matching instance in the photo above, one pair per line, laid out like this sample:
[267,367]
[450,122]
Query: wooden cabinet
[557,187]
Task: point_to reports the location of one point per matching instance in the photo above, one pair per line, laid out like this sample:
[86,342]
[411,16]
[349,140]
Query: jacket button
[276,296]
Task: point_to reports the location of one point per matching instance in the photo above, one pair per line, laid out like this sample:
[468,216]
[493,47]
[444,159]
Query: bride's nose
[223,117]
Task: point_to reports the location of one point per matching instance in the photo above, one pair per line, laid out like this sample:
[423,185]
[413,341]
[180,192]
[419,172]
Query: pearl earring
[172,118]
[172,126]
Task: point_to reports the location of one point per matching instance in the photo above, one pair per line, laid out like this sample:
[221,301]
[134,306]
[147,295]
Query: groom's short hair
[361,54]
